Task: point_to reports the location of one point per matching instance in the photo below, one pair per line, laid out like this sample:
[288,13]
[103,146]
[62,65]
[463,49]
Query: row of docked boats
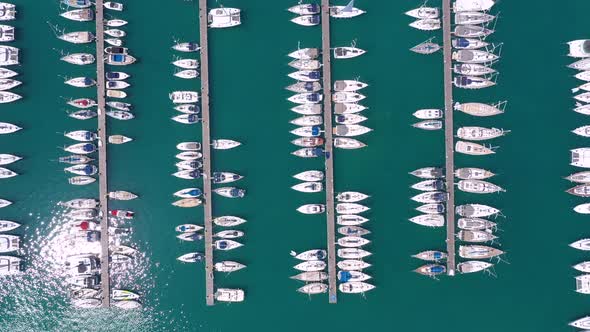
[309,13]
[10,244]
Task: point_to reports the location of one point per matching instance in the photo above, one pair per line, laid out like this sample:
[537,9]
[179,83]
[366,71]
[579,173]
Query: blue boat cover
[308,86]
[118,57]
[315,75]
[344,276]
[314,7]
[112,75]
[192,118]
[222,244]
[462,42]
[88,169]
[88,147]
[317,152]
[315,130]
[438,255]
[315,19]
[314,97]
[437,269]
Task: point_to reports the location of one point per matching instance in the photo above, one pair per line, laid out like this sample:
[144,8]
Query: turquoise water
[248,69]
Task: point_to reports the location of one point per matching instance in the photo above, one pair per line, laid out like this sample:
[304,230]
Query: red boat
[82,102]
[122,214]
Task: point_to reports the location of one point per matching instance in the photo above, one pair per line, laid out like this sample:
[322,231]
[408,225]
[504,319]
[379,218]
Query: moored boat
[478,187]
[431,270]
[355,287]
[476,210]
[476,236]
[473,266]
[350,220]
[348,143]
[478,252]
[480,109]
[122,195]
[473,149]
[428,173]
[475,224]
[431,255]
[228,266]
[352,265]
[473,173]
[228,221]
[230,192]
[429,220]
[312,208]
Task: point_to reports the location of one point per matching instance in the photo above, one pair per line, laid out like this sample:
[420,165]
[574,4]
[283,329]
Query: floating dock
[208,197]
[102,156]
[449,139]
[329,147]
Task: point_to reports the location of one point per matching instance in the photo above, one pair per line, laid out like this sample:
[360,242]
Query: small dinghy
[308,141]
[186,63]
[192,257]
[83,114]
[188,193]
[82,169]
[478,187]
[476,210]
[81,180]
[119,139]
[186,47]
[180,97]
[310,266]
[348,143]
[475,224]
[311,276]
[5,173]
[472,31]
[423,12]
[7,159]
[473,266]
[189,164]
[472,69]
[351,208]
[310,255]
[187,118]
[428,125]
[113,6]
[347,52]
[431,255]
[228,266]
[431,208]
[352,265]
[431,270]
[7,73]
[351,196]
[479,109]
[427,24]
[310,176]
[230,192]
[189,146]
[429,220]
[352,253]
[350,130]
[312,208]
[350,220]
[309,131]
[468,43]
[473,149]
[352,241]
[472,173]
[188,174]
[428,173]
[307,20]
[121,195]
[308,187]
[189,155]
[120,115]
[81,135]
[353,231]
[309,152]
[478,252]
[305,9]
[472,82]
[7,225]
[77,37]
[79,58]
[81,148]
[430,185]
[225,177]
[79,15]
[476,236]
[229,234]
[428,114]
[8,97]
[228,221]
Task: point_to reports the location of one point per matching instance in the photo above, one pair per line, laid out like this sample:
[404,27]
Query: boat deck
[449,139]
[102,156]
[329,147]
[207,204]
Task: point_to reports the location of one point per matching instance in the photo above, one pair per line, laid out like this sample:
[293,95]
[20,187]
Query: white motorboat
[429,220]
[580,157]
[310,176]
[478,252]
[9,243]
[348,143]
[307,131]
[351,196]
[423,12]
[462,43]
[348,85]
[8,83]
[476,236]
[7,225]
[119,139]
[305,53]
[350,208]
[306,75]
[81,135]
[308,109]
[115,23]
[7,11]
[229,234]
[228,266]
[431,208]
[479,187]
[352,276]
[122,295]
[473,266]
[583,244]
[472,69]
[7,159]
[187,118]
[305,65]
[352,265]
[79,58]
[472,18]
[308,120]
[186,47]
[121,195]
[473,56]
[428,173]
[117,85]
[428,125]
[582,208]
[476,210]
[352,253]
[583,131]
[472,31]
[312,208]
[473,173]
[228,221]
[430,185]
[472,82]
[4,203]
[127,304]
[113,6]
[472,5]
[352,241]
[224,144]
[189,155]
[226,244]
[6,33]
[305,9]
[583,64]
[480,133]
[428,114]
[348,108]
[116,33]
[347,97]
[350,130]
[7,73]
[311,255]
[473,149]
[224,17]
[229,295]
[348,11]
[8,97]
[308,187]
[350,220]
[310,266]
[306,98]
[77,37]
[427,24]
[583,75]
[307,20]
[120,59]
[120,115]
[179,97]
[187,74]
[479,109]
[347,52]
[116,94]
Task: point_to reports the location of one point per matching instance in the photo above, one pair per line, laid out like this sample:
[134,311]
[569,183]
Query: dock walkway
[329,147]
[207,204]
[102,156]
[449,139]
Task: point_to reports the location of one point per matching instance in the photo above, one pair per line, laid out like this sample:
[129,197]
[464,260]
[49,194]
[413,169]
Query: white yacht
[352,265]
[476,210]
[423,12]
[350,220]
[429,220]
[348,11]
[428,24]
[480,133]
[347,52]
[224,17]
[229,295]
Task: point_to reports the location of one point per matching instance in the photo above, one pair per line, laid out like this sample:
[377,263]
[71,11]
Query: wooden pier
[329,147]
[207,204]
[102,156]
[449,140]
